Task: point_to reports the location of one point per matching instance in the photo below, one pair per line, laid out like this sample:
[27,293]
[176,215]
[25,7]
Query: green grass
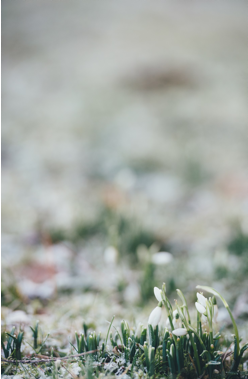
[147,352]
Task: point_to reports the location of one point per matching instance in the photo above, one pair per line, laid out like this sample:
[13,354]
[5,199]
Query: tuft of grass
[145,353]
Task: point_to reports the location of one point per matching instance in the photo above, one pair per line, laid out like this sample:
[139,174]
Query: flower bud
[157,293]
[155,317]
[162,258]
[200,307]
[201,299]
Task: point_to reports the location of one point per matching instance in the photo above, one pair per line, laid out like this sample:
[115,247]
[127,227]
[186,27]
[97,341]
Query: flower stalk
[215,293]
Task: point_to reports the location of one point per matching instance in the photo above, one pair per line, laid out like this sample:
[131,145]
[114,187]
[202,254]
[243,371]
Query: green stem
[195,354]
[214,292]
[200,340]
[171,323]
[181,295]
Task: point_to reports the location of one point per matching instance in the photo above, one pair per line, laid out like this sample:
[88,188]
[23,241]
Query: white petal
[200,308]
[177,323]
[175,312]
[204,319]
[180,332]
[162,258]
[157,293]
[110,255]
[155,316]
[201,299]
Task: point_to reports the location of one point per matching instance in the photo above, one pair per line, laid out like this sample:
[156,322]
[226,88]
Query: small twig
[31,361]
[72,374]
[226,355]
[128,368]
[192,362]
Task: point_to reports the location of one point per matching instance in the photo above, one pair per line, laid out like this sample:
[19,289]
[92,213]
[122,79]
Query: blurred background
[124,137]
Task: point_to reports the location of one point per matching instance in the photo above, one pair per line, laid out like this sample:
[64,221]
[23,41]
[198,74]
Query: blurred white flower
[204,319]
[17,317]
[175,314]
[204,309]
[157,293]
[201,299]
[201,303]
[177,323]
[200,308]
[110,255]
[176,320]
[180,332]
[155,316]
[162,258]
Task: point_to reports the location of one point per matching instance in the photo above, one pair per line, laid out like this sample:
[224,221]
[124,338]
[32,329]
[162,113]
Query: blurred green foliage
[147,282]
[238,244]
[125,233]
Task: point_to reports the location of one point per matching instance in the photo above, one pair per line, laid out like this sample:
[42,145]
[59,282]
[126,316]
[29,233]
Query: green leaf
[216,293]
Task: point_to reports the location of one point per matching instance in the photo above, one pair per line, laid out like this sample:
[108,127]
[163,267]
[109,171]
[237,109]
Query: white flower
[201,299]
[157,293]
[180,332]
[201,303]
[176,320]
[175,313]
[162,258]
[155,316]
[110,255]
[177,323]
[200,308]
[204,319]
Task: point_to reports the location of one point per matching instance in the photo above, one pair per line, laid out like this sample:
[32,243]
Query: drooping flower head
[155,317]
[180,332]
[201,303]
[157,293]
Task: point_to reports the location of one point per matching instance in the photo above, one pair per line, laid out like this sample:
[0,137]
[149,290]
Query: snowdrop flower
[203,307]
[201,299]
[162,258]
[110,255]
[200,308]
[176,320]
[155,317]
[201,304]
[204,319]
[180,332]
[157,293]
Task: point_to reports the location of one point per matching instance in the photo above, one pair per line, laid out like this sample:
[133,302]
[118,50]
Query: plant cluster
[178,350]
